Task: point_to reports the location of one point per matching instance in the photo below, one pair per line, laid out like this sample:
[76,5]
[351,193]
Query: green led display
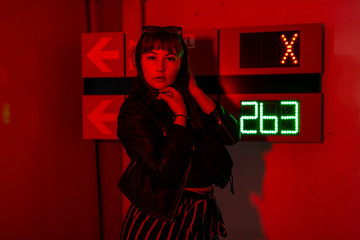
[270,117]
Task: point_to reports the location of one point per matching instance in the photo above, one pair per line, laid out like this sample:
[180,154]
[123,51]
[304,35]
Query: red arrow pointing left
[98,117]
[97,55]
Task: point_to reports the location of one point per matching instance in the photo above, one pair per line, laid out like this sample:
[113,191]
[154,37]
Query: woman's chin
[160,86]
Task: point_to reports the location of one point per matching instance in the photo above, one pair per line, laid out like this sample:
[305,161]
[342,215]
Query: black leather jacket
[162,148]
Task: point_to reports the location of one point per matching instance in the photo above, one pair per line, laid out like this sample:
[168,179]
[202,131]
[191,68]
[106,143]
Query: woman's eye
[151,58]
[171,59]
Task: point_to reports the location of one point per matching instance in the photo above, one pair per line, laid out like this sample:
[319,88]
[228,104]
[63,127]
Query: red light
[288,48]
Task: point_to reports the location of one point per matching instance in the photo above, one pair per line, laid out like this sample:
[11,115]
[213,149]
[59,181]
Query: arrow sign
[102,55]
[96,54]
[98,117]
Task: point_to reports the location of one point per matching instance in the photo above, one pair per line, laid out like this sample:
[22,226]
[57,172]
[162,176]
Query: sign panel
[288,49]
[102,55]
[131,39]
[100,116]
[269,49]
[203,50]
[277,117]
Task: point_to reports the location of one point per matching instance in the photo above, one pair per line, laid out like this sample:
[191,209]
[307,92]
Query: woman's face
[160,68]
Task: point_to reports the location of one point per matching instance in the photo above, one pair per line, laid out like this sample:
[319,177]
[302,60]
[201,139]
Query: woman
[174,135]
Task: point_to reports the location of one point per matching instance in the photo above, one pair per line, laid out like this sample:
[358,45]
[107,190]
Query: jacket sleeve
[163,157]
[223,126]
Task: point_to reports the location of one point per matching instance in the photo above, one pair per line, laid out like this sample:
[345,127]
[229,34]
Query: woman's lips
[160,78]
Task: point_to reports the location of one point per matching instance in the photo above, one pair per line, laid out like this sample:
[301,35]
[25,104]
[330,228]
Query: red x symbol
[289,52]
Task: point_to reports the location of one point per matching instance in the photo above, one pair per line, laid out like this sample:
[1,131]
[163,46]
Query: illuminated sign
[270,74]
[102,55]
[99,116]
[263,50]
[270,117]
[269,49]
[282,117]
[290,49]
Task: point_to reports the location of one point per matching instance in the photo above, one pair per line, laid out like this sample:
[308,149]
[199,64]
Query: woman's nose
[161,66]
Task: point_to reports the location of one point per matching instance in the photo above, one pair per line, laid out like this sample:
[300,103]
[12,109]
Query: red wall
[48,173]
[308,191]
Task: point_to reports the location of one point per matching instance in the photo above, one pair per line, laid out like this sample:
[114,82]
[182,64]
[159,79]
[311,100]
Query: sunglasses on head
[169,29]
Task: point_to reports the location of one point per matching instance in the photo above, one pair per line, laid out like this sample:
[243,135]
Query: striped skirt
[198,217]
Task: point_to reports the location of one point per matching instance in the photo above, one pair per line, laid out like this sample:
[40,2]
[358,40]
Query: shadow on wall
[240,215]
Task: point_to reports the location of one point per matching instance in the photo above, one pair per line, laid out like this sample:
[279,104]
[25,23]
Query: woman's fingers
[192,83]
[169,91]
[164,96]
[167,94]
[172,92]
[173,98]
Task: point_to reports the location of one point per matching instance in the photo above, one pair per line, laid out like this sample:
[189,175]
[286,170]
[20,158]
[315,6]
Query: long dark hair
[170,42]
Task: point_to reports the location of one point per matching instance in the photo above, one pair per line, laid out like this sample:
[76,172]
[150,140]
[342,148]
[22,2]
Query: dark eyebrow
[168,54]
[151,52]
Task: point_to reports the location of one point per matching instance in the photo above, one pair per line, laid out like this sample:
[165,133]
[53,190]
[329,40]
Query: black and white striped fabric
[198,217]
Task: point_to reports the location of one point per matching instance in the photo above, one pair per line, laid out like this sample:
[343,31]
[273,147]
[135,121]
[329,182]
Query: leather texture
[160,153]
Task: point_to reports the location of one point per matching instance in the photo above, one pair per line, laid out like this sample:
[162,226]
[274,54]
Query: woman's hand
[204,102]
[174,100]
[192,84]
